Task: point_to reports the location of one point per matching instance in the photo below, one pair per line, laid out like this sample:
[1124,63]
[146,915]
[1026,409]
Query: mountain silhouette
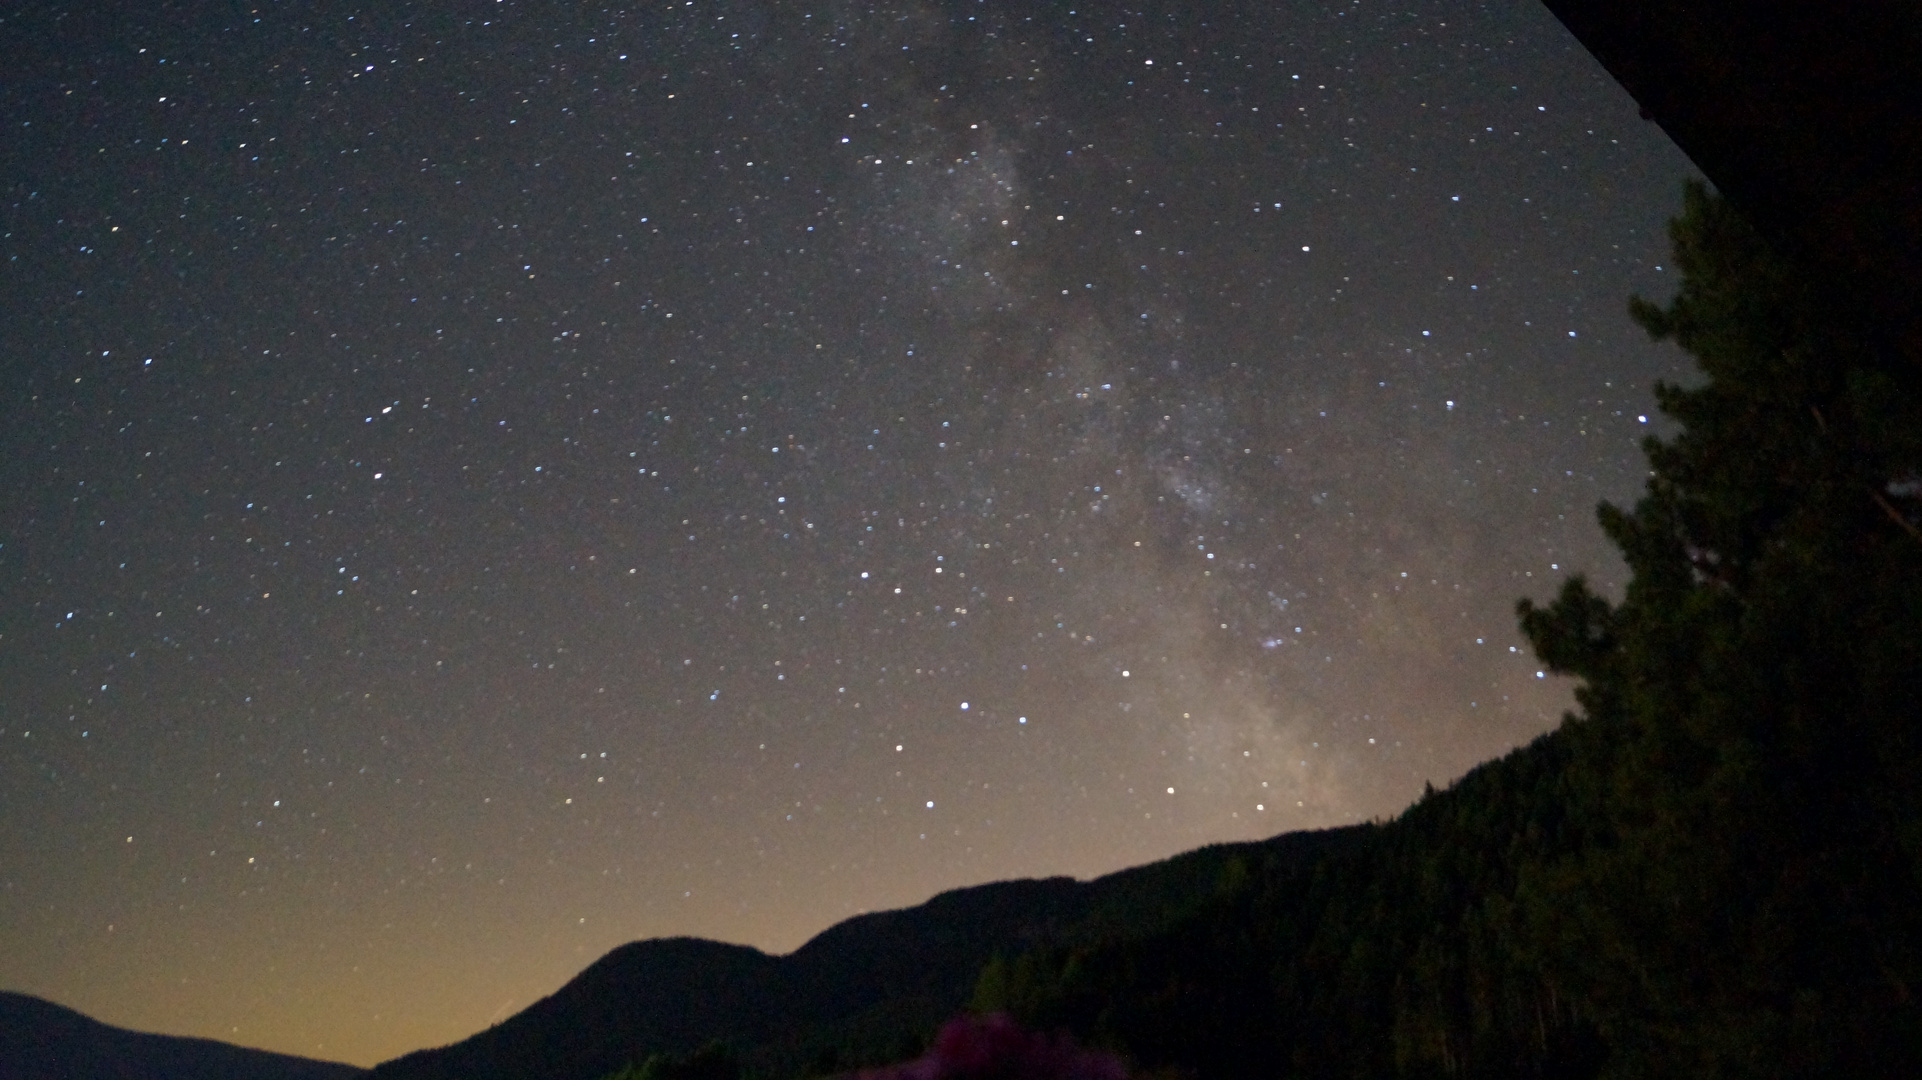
[43,1041]
[867,990]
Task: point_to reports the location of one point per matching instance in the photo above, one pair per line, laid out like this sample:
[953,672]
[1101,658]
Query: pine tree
[1748,766]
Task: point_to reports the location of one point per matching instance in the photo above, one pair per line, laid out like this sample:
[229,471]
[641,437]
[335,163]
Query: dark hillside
[869,990]
[888,976]
[43,1041]
[872,988]
[1369,960]
[669,995]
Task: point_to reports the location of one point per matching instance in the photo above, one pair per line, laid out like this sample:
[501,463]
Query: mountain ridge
[873,985]
[41,1040]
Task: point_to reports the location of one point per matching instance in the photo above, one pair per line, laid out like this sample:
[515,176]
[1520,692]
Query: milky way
[490,482]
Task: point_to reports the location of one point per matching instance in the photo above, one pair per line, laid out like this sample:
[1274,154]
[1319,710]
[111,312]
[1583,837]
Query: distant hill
[868,990]
[43,1041]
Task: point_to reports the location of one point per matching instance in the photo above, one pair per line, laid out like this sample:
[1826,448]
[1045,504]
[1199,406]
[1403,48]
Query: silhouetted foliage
[994,1047]
[1746,902]
[715,1061]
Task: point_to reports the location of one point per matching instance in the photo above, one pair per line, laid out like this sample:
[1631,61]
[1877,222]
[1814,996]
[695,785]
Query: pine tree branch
[1887,507]
[1895,515]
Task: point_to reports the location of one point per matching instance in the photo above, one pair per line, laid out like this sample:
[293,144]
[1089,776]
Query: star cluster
[488,482]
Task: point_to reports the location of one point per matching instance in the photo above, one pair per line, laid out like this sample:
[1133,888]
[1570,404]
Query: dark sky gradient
[485,482]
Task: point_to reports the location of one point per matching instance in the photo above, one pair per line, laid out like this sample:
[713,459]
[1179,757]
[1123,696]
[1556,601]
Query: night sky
[484,482]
